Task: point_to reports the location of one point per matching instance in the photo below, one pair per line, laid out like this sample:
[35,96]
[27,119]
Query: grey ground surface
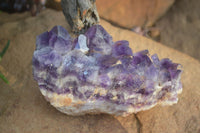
[180,27]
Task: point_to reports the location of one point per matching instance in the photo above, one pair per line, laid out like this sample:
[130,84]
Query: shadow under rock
[101,123]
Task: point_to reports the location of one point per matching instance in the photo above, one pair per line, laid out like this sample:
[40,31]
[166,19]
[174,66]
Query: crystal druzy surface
[92,74]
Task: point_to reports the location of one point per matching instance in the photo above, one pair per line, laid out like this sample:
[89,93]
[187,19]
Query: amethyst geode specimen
[93,74]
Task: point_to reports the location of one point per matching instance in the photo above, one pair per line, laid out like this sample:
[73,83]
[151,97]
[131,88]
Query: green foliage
[4,78]
[5,49]
[1,55]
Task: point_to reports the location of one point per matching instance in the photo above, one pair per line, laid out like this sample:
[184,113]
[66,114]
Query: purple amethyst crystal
[93,74]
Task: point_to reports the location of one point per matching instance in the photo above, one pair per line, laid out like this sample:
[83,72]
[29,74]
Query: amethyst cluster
[92,74]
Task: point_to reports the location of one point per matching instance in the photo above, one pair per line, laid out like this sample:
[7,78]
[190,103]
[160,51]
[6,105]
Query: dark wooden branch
[80,14]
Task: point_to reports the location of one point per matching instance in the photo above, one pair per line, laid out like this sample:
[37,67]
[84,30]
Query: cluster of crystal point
[92,74]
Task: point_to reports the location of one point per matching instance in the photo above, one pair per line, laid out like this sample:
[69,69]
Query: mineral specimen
[92,74]
[12,6]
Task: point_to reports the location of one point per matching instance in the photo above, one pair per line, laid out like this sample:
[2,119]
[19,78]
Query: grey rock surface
[180,27]
[80,14]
